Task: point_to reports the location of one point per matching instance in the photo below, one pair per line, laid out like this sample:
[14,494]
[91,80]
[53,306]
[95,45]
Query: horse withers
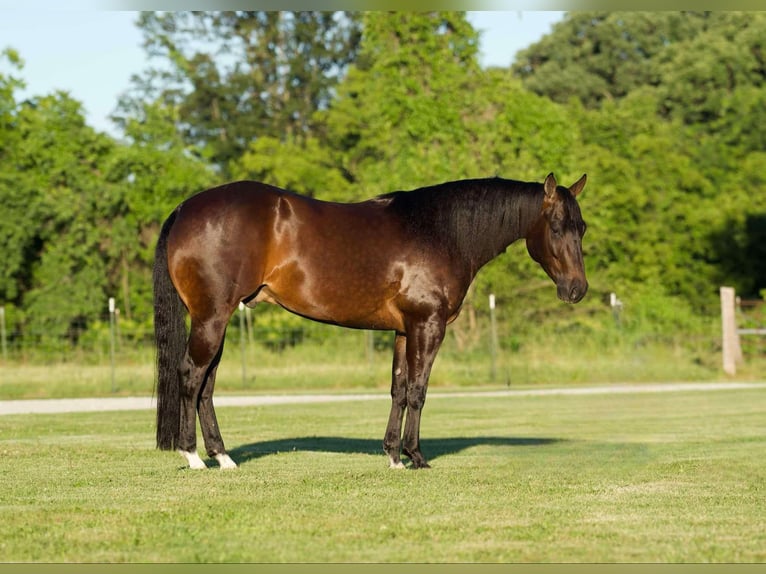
[401,262]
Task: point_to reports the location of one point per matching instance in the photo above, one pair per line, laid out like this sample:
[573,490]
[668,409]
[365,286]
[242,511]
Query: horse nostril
[574,293]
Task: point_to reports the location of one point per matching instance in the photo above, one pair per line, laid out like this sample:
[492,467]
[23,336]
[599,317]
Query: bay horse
[401,262]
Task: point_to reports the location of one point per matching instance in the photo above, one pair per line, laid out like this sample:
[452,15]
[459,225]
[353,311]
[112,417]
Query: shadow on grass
[432,448]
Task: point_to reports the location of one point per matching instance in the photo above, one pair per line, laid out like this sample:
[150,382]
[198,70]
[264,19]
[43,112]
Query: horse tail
[170,340]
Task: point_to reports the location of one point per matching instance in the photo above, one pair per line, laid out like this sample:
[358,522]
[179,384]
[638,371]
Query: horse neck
[515,207]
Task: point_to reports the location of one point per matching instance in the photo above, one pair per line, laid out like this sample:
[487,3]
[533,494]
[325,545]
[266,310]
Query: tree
[235,77]
[399,116]
[17,239]
[151,174]
[598,56]
[55,208]
[80,211]
[700,79]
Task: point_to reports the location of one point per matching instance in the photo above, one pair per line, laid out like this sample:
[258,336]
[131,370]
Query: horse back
[352,264]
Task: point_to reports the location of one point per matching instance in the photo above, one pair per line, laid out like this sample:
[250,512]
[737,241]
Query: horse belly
[342,297]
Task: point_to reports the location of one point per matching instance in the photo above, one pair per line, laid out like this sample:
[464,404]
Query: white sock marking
[224,460]
[193,459]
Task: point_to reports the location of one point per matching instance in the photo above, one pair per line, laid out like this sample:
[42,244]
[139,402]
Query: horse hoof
[397,464]
[224,461]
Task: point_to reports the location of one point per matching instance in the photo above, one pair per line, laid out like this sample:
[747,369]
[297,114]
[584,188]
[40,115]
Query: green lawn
[654,477]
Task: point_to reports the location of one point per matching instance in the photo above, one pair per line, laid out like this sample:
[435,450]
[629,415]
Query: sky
[93,54]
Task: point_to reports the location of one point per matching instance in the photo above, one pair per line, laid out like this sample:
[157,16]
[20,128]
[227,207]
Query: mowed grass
[645,477]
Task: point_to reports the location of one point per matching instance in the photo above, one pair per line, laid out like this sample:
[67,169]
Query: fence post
[249,325]
[242,335]
[111,338]
[732,352]
[369,338]
[493,338]
[616,305]
[2,334]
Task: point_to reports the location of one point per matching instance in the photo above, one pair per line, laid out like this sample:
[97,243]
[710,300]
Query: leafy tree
[152,173]
[237,76]
[17,238]
[599,56]
[399,118]
[80,211]
[701,78]
[662,110]
[55,210]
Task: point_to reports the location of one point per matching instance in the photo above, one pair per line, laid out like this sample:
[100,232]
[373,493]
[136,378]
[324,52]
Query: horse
[400,262]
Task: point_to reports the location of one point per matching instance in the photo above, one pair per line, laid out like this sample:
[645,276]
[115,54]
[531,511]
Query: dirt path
[142,403]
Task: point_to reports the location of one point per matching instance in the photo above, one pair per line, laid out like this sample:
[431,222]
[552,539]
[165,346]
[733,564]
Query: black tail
[170,339]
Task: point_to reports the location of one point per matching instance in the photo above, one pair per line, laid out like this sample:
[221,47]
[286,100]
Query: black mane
[474,219]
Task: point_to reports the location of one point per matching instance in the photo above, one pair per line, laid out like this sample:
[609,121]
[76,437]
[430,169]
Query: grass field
[644,477]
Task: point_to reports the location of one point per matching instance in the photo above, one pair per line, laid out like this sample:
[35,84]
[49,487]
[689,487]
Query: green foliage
[55,207]
[233,76]
[699,76]
[599,56]
[662,110]
[304,167]
[399,119]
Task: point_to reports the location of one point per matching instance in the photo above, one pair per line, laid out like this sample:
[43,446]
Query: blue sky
[92,54]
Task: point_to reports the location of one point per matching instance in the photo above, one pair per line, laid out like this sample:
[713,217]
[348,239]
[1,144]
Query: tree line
[663,111]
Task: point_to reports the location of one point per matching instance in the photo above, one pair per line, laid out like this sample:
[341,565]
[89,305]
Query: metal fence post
[493,338]
[2,334]
[730,344]
[242,335]
[111,338]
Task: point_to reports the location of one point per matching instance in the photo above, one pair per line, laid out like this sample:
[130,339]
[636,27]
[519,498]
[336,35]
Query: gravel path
[142,403]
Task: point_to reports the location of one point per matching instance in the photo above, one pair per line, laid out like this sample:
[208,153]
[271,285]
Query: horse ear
[550,187]
[578,185]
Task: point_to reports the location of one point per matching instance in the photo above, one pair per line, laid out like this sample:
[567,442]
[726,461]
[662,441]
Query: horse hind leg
[208,422]
[197,366]
[191,378]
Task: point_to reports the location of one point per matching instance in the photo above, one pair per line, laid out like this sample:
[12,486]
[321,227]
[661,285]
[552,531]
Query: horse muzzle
[572,291]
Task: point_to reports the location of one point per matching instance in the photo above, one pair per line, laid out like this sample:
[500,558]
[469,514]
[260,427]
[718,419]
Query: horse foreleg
[423,342]
[393,439]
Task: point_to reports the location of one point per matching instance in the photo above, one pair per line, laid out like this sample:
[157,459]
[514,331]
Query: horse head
[554,240]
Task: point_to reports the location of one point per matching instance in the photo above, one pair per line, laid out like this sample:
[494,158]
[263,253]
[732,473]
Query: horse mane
[474,219]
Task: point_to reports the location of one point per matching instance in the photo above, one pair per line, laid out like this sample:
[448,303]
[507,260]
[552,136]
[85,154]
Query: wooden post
[732,352]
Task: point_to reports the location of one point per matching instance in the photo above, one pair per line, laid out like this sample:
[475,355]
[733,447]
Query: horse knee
[416,397]
[399,395]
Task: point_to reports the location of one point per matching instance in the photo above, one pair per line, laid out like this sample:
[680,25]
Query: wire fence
[480,343]
[112,339]
[751,321]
